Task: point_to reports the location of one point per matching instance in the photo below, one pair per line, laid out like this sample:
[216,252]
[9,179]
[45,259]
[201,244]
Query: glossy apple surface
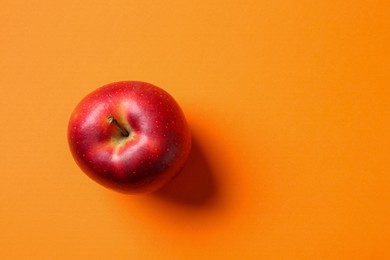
[129,136]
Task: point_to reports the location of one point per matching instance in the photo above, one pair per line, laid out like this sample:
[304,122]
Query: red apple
[129,136]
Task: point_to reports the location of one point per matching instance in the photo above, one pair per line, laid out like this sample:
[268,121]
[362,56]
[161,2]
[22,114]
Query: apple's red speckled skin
[154,152]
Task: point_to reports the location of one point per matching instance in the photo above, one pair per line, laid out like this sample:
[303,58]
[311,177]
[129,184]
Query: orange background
[288,103]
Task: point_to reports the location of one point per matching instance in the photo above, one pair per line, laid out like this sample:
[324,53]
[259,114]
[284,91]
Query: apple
[129,136]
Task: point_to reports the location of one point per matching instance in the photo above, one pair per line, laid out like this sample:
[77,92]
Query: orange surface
[289,106]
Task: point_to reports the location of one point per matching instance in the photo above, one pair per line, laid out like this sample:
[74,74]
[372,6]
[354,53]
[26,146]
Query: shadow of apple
[195,185]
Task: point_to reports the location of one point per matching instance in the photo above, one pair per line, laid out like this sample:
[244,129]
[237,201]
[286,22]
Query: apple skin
[156,149]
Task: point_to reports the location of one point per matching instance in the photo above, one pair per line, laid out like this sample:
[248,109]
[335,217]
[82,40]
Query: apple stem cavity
[113,121]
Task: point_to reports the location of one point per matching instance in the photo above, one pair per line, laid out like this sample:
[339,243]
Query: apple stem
[112,120]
